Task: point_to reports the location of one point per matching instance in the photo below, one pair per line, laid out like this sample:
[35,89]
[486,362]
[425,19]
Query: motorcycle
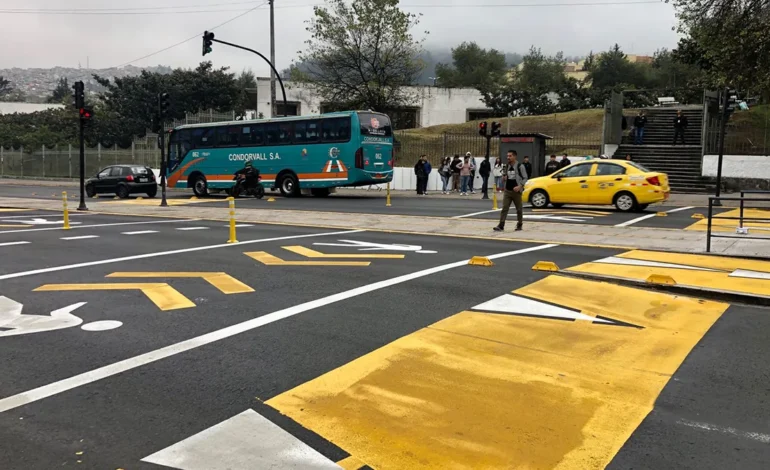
[240,187]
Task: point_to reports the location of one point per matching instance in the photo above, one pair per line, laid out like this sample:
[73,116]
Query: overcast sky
[47,40]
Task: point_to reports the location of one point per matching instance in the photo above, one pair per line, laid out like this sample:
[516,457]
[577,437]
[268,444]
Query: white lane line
[13,243]
[754,436]
[192,228]
[117,224]
[82,237]
[649,216]
[475,213]
[165,253]
[140,232]
[240,225]
[119,367]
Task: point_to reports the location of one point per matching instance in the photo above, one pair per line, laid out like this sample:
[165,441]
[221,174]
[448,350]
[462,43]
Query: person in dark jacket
[551,166]
[485,169]
[422,170]
[457,165]
[640,122]
[527,165]
[680,125]
[565,161]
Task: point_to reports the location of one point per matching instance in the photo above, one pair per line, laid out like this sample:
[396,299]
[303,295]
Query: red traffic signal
[86,114]
[483,129]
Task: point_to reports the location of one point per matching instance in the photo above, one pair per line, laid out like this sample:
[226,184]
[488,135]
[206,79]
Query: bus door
[376,153]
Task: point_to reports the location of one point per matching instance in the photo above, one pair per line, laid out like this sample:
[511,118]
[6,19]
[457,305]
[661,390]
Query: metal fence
[748,133]
[62,161]
[411,144]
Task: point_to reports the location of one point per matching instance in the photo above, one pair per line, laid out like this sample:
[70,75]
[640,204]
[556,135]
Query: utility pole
[272,61]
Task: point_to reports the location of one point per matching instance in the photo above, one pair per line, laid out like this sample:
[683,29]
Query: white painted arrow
[41,221]
[523,306]
[14,323]
[368,246]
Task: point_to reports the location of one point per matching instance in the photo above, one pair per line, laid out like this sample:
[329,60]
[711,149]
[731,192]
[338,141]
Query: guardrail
[741,230]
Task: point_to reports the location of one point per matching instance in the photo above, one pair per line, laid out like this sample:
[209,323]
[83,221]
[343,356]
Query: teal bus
[302,154]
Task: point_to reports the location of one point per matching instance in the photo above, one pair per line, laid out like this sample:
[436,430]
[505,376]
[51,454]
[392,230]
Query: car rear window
[139,170]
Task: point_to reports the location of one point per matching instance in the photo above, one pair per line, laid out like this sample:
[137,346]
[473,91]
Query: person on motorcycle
[251,174]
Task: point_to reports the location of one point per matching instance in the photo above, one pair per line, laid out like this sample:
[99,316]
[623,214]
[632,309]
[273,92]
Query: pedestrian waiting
[422,170]
[457,165]
[497,172]
[565,161]
[473,171]
[465,175]
[552,166]
[445,171]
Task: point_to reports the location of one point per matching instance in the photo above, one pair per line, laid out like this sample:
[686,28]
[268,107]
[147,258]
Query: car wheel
[625,202]
[557,205]
[90,191]
[152,193]
[320,192]
[200,186]
[289,185]
[538,199]
[122,191]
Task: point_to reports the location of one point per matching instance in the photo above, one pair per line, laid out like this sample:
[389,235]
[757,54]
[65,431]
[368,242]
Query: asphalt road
[434,205]
[193,353]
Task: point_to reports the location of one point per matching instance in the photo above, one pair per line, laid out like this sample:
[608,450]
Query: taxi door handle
[618,179]
[583,181]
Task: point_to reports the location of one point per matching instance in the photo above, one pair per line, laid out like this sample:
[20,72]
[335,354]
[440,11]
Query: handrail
[741,218]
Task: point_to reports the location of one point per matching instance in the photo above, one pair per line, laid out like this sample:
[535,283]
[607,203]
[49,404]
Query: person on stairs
[680,125]
[640,122]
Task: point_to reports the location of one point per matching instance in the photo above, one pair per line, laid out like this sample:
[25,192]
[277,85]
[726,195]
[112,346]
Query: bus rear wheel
[289,185]
[320,192]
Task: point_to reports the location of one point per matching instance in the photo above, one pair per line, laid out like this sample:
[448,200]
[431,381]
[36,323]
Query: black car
[123,180]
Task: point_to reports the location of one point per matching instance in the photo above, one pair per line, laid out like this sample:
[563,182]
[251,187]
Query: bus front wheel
[289,185]
[200,186]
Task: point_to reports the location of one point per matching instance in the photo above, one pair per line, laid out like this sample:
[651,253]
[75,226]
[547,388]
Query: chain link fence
[410,145]
[748,133]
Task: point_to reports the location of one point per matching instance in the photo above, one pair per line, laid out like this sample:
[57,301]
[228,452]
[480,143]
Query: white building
[432,106]
[25,108]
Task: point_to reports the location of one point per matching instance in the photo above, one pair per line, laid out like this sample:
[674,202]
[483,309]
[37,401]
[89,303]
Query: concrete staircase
[682,163]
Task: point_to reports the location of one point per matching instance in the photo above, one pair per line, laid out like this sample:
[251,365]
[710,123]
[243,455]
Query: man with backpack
[516,179]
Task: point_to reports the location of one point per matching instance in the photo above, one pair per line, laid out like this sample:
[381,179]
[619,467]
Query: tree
[361,55]
[728,40]
[245,82]
[61,93]
[613,70]
[472,66]
[5,86]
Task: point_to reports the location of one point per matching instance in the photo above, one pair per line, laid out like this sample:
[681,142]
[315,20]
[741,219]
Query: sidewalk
[589,235]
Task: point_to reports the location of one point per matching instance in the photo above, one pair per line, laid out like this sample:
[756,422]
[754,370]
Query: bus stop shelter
[526,144]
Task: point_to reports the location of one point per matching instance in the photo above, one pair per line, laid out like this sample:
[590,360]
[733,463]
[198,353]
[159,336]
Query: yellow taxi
[627,185]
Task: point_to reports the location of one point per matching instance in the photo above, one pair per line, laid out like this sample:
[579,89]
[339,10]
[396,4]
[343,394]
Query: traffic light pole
[722,130]
[163,167]
[485,184]
[272,67]
[82,205]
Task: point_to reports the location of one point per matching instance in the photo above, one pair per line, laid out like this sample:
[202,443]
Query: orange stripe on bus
[172,180]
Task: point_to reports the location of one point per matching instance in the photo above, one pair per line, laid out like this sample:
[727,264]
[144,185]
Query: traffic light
[732,100]
[483,129]
[496,128]
[207,38]
[164,103]
[79,98]
[86,114]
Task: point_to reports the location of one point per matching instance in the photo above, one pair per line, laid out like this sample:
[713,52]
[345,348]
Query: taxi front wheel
[625,202]
[538,199]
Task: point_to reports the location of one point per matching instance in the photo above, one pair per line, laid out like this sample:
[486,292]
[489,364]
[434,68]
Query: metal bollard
[66,211]
[494,199]
[387,199]
[231,202]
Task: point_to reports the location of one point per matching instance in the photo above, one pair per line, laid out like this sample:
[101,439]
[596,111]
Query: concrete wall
[738,166]
[434,105]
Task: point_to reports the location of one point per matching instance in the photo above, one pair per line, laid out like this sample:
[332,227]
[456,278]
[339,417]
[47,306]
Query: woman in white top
[497,172]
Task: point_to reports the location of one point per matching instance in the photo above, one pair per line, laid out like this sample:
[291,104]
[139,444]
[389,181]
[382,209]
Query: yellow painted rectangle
[222,281]
[729,225]
[717,281]
[161,294]
[482,390]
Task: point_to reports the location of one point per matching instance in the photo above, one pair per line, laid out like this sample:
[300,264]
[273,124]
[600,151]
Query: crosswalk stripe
[82,237]
[141,232]
[192,228]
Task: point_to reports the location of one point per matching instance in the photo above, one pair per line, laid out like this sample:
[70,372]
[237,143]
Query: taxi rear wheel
[538,199]
[625,202]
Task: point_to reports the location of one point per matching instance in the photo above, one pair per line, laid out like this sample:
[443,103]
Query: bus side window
[204,137]
[312,131]
[252,136]
[336,129]
[228,136]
